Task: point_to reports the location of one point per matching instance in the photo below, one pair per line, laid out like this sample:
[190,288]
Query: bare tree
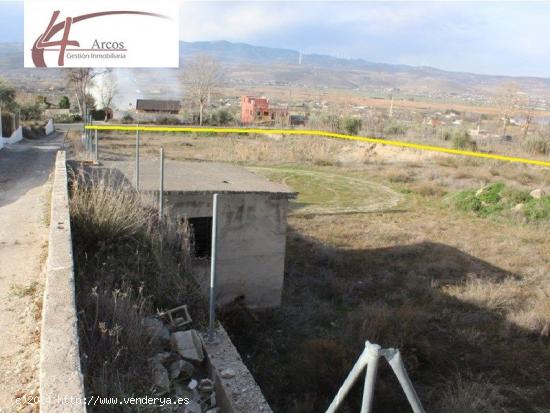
[528,109]
[203,78]
[108,89]
[81,81]
[507,101]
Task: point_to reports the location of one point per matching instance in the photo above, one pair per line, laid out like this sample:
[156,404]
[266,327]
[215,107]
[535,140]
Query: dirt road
[24,199]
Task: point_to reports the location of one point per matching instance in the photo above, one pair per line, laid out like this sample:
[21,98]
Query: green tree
[7,95]
[64,103]
[31,111]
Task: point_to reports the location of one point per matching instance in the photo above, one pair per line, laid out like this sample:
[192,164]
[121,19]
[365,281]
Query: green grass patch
[496,199]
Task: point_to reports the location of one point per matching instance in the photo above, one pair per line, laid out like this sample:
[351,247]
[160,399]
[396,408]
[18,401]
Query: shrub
[496,198]
[98,114]
[463,140]
[483,202]
[127,118]
[537,209]
[70,118]
[64,103]
[351,126]
[395,129]
[31,111]
[538,144]
[167,120]
[221,117]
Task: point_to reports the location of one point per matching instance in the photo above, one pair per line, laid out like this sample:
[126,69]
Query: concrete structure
[258,110]
[15,137]
[236,389]
[60,374]
[252,223]
[50,127]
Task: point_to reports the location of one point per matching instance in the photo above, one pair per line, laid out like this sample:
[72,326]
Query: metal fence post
[161,188]
[96,156]
[212,314]
[137,160]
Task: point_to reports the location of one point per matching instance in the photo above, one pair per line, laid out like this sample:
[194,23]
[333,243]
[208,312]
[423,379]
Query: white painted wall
[50,127]
[15,137]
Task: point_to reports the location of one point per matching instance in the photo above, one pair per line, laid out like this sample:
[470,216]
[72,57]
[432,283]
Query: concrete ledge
[15,137]
[236,389]
[61,382]
[50,127]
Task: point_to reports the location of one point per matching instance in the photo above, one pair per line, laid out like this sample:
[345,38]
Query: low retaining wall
[236,389]
[15,137]
[61,382]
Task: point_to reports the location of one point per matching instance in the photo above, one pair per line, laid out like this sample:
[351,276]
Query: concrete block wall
[61,382]
[251,243]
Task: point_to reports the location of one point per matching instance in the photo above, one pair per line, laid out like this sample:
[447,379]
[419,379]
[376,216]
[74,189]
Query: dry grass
[128,265]
[503,296]
[471,396]
[454,292]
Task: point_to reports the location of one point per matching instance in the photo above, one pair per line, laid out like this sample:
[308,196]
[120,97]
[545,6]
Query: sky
[506,38]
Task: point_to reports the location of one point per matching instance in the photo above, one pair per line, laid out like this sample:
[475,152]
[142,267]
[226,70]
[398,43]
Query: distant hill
[257,65]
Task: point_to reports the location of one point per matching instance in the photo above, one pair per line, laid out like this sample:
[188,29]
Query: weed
[462,140]
[538,145]
[469,396]
[127,265]
[21,291]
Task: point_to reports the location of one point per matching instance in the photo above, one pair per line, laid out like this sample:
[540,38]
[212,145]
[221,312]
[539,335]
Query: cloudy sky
[509,38]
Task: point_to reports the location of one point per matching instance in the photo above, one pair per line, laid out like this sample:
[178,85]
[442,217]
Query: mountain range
[247,64]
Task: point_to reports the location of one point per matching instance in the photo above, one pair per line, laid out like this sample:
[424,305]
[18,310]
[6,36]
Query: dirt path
[24,198]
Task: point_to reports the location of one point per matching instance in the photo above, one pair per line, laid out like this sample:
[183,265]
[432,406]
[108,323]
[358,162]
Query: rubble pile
[179,371]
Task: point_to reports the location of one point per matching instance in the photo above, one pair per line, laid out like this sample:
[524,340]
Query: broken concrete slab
[181,368]
[160,375]
[188,345]
[155,329]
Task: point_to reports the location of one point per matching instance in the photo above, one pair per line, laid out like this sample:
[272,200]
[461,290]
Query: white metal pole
[161,186]
[396,362]
[349,381]
[96,154]
[137,160]
[373,355]
[213,256]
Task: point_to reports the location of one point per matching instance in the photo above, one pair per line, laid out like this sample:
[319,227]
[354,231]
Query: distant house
[158,106]
[258,110]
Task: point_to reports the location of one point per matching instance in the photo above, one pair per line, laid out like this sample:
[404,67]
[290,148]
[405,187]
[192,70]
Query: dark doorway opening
[202,236]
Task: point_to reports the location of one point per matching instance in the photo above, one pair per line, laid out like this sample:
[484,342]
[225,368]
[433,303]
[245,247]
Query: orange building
[257,110]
